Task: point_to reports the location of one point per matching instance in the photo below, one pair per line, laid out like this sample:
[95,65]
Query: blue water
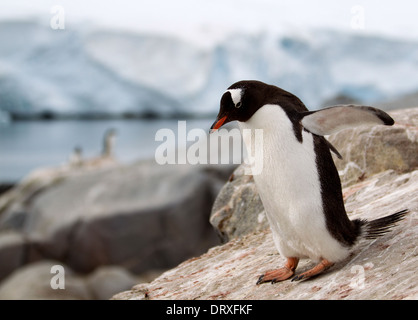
[28,145]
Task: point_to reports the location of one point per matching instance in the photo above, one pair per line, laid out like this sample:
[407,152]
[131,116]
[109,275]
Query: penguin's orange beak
[217,124]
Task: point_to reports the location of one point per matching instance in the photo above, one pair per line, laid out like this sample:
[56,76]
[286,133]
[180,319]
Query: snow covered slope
[96,71]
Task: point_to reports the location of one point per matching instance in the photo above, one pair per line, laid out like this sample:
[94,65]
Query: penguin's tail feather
[378,227]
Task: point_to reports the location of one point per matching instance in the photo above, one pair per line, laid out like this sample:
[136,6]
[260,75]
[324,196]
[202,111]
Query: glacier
[94,71]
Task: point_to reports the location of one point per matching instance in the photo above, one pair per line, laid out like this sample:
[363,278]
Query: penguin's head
[244,98]
[240,101]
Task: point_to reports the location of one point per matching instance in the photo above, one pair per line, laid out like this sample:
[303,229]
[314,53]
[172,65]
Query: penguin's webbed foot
[281,274]
[319,268]
[276,275]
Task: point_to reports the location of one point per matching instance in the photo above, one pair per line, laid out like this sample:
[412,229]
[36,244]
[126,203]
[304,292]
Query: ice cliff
[93,71]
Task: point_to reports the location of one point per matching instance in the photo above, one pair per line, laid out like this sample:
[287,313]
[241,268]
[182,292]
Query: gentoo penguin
[108,142]
[76,158]
[299,184]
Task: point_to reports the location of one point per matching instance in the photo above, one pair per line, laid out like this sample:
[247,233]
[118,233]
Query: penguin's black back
[337,221]
[346,231]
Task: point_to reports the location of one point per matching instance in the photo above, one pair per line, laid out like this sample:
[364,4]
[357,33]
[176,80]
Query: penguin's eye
[238,105]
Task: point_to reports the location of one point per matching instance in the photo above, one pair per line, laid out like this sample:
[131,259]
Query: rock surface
[137,216]
[386,181]
[12,252]
[384,268]
[238,209]
[33,281]
[368,150]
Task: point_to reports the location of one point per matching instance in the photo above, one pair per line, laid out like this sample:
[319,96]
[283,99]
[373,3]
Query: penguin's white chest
[290,189]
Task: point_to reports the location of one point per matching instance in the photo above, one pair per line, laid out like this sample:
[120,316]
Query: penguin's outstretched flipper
[333,119]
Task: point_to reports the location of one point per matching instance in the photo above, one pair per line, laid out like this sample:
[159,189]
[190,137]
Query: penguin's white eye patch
[236,97]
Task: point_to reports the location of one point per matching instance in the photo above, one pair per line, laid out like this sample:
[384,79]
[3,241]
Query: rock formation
[139,217]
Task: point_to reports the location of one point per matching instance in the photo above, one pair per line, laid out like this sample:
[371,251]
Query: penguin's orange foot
[276,275]
[320,267]
[281,274]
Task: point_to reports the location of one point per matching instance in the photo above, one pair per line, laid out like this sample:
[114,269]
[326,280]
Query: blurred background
[157,60]
[76,75]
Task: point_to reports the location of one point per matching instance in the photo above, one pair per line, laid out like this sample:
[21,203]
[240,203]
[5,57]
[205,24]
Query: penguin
[76,157]
[299,184]
[108,143]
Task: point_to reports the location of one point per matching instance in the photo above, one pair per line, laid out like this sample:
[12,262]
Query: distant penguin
[299,184]
[108,142]
[76,158]
[106,157]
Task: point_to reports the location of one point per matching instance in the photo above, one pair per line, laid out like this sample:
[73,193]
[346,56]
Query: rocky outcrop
[33,281]
[367,151]
[384,268]
[238,209]
[139,217]
[12,252]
